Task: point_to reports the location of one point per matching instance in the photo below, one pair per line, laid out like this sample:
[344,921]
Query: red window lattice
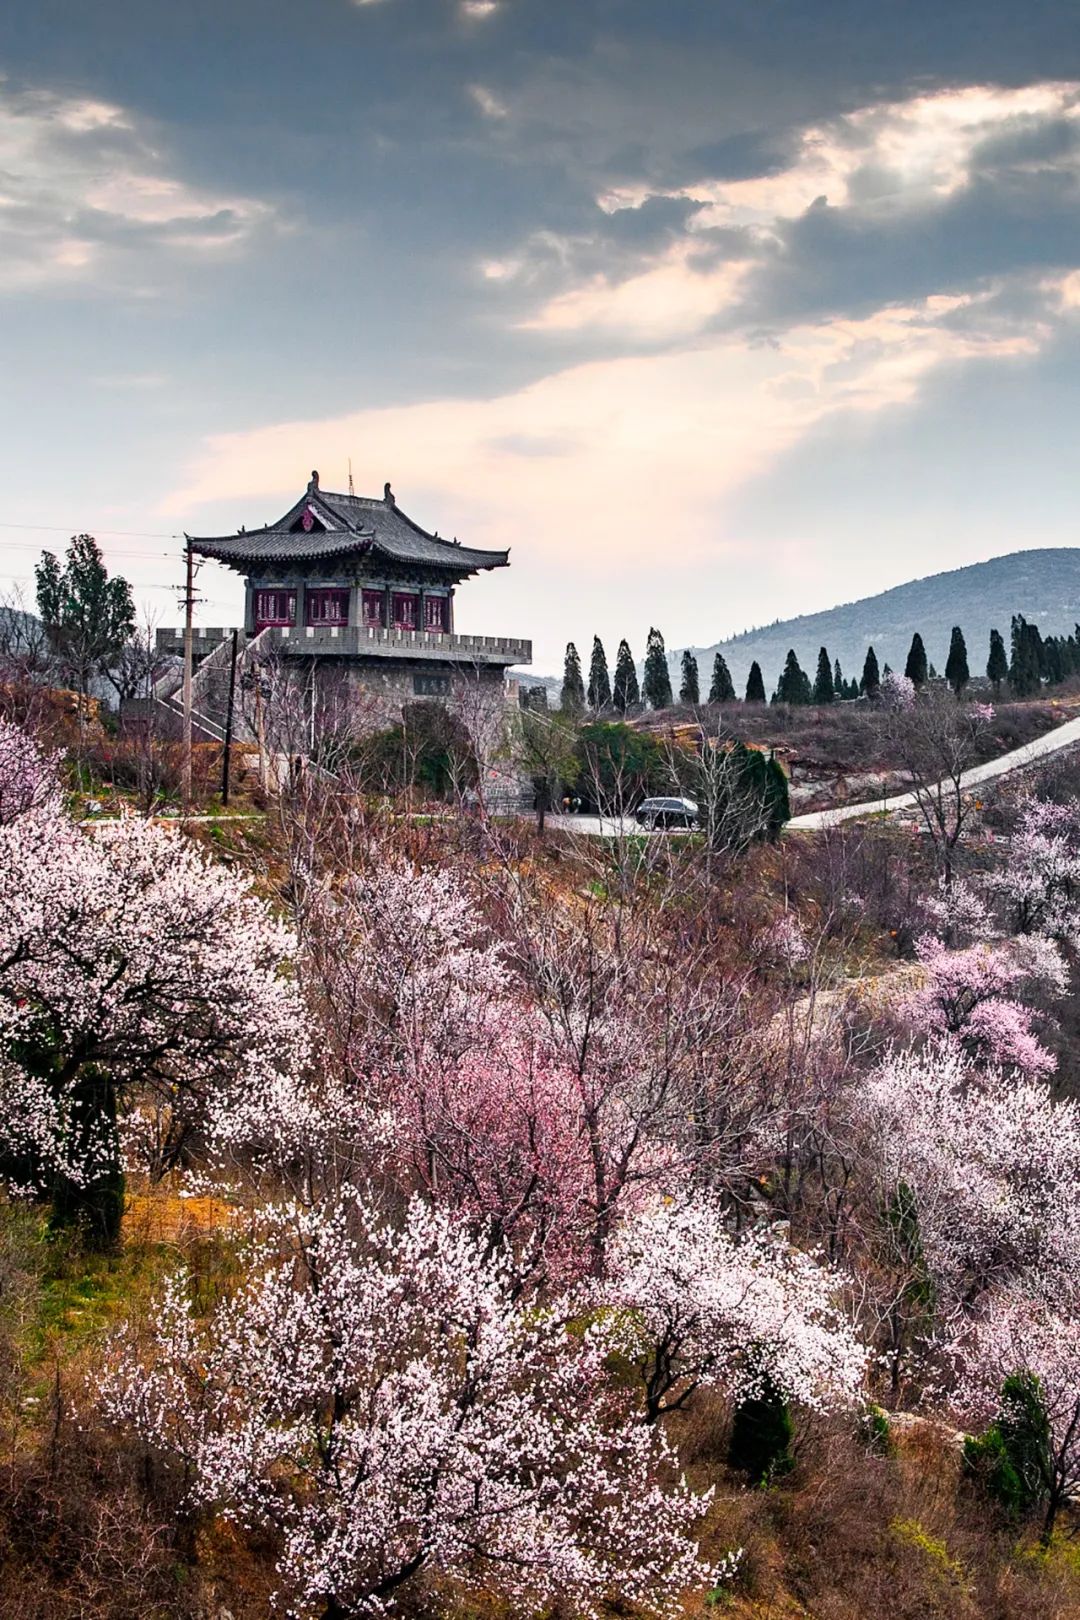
[374,605]
[274,607]
[435,614]
[327,607]
[406,610]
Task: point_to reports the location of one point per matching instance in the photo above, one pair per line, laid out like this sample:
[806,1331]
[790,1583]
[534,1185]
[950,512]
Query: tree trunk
[95,1207]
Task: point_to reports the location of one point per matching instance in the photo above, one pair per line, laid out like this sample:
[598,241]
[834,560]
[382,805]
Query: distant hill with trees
[1043,585]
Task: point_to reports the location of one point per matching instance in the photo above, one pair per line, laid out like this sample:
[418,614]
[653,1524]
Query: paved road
[1065,736]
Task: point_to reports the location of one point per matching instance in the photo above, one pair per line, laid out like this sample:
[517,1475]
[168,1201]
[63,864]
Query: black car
[667,813]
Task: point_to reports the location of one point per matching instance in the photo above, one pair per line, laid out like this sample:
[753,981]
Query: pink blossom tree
[376,1396]
[700,1307]
[135,978]
[28,775]
[970,997]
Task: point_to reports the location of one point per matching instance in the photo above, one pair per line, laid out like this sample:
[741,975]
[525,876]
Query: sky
[715,313]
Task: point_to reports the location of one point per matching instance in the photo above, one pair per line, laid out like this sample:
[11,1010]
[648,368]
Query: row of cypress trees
[1034,660]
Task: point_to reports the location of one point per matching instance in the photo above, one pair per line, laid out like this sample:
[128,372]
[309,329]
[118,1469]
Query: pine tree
[755,684]
[599,682]
[721,690]
[824,689]
[573,687]
[871,675]
[997,665]
[793,685]
[690,689]
[656,680]
[625,694]
[956,666]
[916,668]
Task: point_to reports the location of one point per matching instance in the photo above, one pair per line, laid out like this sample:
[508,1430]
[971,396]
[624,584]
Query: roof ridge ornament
[313,483]
[388,495]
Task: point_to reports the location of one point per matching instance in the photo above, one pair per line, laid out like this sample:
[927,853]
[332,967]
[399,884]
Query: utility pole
[189,610]
[228,722]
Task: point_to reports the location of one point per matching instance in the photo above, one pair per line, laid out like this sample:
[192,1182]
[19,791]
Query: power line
[73,528]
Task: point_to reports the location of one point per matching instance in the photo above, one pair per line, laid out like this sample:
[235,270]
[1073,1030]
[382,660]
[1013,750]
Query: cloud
[487,101]
[84,194]
[889,202]
[644,443]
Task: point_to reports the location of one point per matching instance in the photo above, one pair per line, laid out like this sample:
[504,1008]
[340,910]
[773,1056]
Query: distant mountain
[1043,585]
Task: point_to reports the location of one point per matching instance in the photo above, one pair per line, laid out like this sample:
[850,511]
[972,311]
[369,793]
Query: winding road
[1017,759]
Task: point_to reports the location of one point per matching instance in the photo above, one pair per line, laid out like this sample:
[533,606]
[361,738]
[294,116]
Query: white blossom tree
[137,981]
[701,1307]
[1013,1335]
[982,1167]
[376,1396]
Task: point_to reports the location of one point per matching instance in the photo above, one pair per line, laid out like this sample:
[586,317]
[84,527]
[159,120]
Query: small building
[350,588]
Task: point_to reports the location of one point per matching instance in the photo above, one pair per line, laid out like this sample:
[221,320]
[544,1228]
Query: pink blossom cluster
[28,775]
[970,997]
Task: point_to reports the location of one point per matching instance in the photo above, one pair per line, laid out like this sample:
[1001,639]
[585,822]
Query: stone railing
[328,641]
[374,642]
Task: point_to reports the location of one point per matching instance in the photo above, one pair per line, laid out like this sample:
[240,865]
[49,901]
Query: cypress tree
[755,685]
[1025,665]
[793,685]
[761,1435]
[599,682]
[997,665]
[573,687]
[871,675]
[690,689]
[886,671]
[839,683]
[721,690]
[916,668]
[1054,661]
[956,665]
[625,694]
[824,689]
[656,681]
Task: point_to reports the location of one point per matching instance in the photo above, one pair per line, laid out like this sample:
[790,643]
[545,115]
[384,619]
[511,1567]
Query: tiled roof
[355,524]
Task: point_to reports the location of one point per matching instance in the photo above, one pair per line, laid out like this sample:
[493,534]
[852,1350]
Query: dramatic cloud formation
[81,188]
[662,297]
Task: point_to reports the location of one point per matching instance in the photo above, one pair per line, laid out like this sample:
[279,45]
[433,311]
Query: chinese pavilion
[349,582]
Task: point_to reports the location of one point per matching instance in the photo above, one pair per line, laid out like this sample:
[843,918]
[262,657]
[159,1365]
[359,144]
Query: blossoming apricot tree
[375,1394]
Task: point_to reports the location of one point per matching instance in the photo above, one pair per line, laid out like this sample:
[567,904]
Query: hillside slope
[1044,585]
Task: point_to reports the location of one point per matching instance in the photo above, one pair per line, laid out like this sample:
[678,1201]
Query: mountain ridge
[1042,583]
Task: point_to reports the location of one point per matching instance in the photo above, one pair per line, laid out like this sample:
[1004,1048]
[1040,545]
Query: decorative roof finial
[314,483]
[388,495]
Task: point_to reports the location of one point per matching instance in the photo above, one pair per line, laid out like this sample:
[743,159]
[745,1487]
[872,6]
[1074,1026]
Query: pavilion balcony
[360,641]
[363,641]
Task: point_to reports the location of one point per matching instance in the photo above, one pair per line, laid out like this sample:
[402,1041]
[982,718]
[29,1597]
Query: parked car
[667,813]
